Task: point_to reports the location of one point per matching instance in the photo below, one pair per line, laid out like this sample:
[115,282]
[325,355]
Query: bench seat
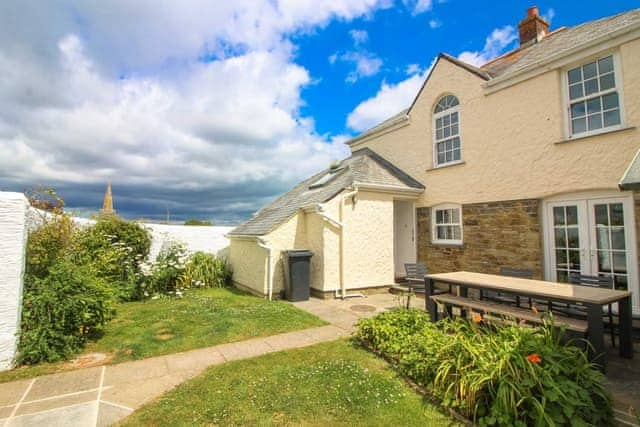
[525,314]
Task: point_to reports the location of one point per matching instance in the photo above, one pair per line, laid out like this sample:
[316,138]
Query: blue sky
[211,109]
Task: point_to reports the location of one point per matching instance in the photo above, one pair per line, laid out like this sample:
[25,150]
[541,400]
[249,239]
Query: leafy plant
[206,270]
[501,374]
[63,301]
[168,268]
[114,249]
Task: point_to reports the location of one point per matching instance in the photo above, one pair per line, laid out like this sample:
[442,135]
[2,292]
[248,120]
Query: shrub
[168,268]
[114,249]
[195,221]
[63,301]
[494,374]
[206,270]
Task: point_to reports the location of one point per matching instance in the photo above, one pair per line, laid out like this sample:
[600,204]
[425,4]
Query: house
[527,161]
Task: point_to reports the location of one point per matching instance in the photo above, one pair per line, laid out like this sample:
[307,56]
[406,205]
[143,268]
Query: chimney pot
[533,28]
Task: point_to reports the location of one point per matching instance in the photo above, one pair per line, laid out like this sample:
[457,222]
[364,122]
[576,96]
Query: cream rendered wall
[368,240]
[290,235]
[249,263]
[511,139]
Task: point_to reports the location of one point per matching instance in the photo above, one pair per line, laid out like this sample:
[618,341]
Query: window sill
[448,244]
[446,165]
[593,135]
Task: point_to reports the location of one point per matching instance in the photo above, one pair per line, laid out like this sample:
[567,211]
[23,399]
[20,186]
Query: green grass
[326,384]
[202,318]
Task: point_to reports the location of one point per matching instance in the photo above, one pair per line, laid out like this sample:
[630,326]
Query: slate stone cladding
[495,234]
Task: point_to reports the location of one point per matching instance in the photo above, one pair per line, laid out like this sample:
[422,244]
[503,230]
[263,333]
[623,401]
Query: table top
[529,287]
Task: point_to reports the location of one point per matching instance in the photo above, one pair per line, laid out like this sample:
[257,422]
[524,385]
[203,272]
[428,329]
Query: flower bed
[493,374]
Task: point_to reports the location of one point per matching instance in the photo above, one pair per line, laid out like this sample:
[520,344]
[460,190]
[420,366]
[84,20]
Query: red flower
[534,358]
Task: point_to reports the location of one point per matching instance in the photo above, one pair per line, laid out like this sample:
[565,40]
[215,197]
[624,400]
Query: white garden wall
[195,237]
[13,236]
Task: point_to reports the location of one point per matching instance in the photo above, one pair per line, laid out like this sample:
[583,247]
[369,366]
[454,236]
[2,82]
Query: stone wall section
[13,240]
[495,234]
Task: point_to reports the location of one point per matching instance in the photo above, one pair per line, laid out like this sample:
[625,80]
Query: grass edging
[415,386]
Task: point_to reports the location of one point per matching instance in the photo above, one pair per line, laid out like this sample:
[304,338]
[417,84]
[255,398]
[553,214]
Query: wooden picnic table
[592,298]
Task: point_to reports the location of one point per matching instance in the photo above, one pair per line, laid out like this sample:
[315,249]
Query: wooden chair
[505,298]
[579,310]
[418,271]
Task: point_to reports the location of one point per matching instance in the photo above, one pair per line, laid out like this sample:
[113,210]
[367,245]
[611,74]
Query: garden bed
[201,318]
[325,384]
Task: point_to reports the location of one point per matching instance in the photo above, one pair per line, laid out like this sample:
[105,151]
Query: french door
[593,236]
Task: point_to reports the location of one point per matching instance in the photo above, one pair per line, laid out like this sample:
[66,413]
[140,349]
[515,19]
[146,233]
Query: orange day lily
[534,358]
[476,317]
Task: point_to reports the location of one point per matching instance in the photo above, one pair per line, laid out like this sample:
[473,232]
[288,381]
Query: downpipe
[263,245]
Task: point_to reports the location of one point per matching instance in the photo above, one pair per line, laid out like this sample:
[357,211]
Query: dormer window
[333,171]
[446,131]
[594,100]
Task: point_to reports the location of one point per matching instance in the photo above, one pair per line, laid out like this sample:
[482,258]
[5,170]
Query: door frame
[626,197]
[414,223]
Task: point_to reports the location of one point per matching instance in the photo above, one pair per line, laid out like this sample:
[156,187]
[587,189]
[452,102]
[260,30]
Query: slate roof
[363,167]
[631,178]
[558,42]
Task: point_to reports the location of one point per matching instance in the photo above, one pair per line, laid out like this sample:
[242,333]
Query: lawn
[203,317]
[325,384]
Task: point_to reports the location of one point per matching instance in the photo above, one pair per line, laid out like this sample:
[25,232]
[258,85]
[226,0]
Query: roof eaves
[380,127]
[474,70]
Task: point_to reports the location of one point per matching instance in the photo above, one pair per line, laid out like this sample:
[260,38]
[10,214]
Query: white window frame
[434,225]
[438,115]
[617,67]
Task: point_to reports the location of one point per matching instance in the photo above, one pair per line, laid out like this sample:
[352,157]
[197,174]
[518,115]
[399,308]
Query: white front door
[594,236]
[404,248]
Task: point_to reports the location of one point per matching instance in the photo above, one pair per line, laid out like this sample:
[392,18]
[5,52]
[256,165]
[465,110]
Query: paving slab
[193,360]
[245,349]
[136,371]
[4,413]
[109,414]
[136,393]
[289,340]
[11,393]
[56,402]
[64,383]
[83,414]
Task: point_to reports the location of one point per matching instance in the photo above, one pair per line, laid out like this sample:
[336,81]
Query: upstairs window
[447,224]
[446,136]
[594,102]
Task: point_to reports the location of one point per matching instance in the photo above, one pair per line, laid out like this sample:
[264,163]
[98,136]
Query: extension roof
[364,167]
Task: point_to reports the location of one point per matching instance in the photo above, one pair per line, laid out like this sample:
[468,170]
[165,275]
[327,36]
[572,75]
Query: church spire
[107,204]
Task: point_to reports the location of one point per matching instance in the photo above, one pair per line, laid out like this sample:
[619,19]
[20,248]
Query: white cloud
[412,69]
[495,44]
[359,36]
[434,23]
[118,92]
[365,63]
[389,100]
[549,15]
[418,6]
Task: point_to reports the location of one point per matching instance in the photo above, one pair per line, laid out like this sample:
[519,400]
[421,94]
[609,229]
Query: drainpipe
[339,224]
[263,245]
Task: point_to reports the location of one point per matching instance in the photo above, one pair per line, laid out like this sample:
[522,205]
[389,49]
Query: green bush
[206,270]
[63,301]
[168,268]
[500,375]
[114,249]
[195,221]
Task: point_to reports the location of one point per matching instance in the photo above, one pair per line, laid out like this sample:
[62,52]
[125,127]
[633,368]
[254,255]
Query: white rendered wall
[194,237]
[13,239]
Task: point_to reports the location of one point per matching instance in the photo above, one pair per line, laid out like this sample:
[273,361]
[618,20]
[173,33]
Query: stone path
[100,396]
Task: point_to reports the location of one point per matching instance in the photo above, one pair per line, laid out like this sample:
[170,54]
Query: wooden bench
[525,314]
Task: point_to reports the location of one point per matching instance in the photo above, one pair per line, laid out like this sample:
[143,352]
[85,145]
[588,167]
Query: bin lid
[298,253]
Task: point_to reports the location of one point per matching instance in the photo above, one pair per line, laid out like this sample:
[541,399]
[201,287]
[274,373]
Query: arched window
[446,131]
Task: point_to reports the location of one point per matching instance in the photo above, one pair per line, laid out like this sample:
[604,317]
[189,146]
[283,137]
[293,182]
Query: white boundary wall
[13,239]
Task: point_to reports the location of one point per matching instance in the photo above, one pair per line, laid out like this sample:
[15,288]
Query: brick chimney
[532,28]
